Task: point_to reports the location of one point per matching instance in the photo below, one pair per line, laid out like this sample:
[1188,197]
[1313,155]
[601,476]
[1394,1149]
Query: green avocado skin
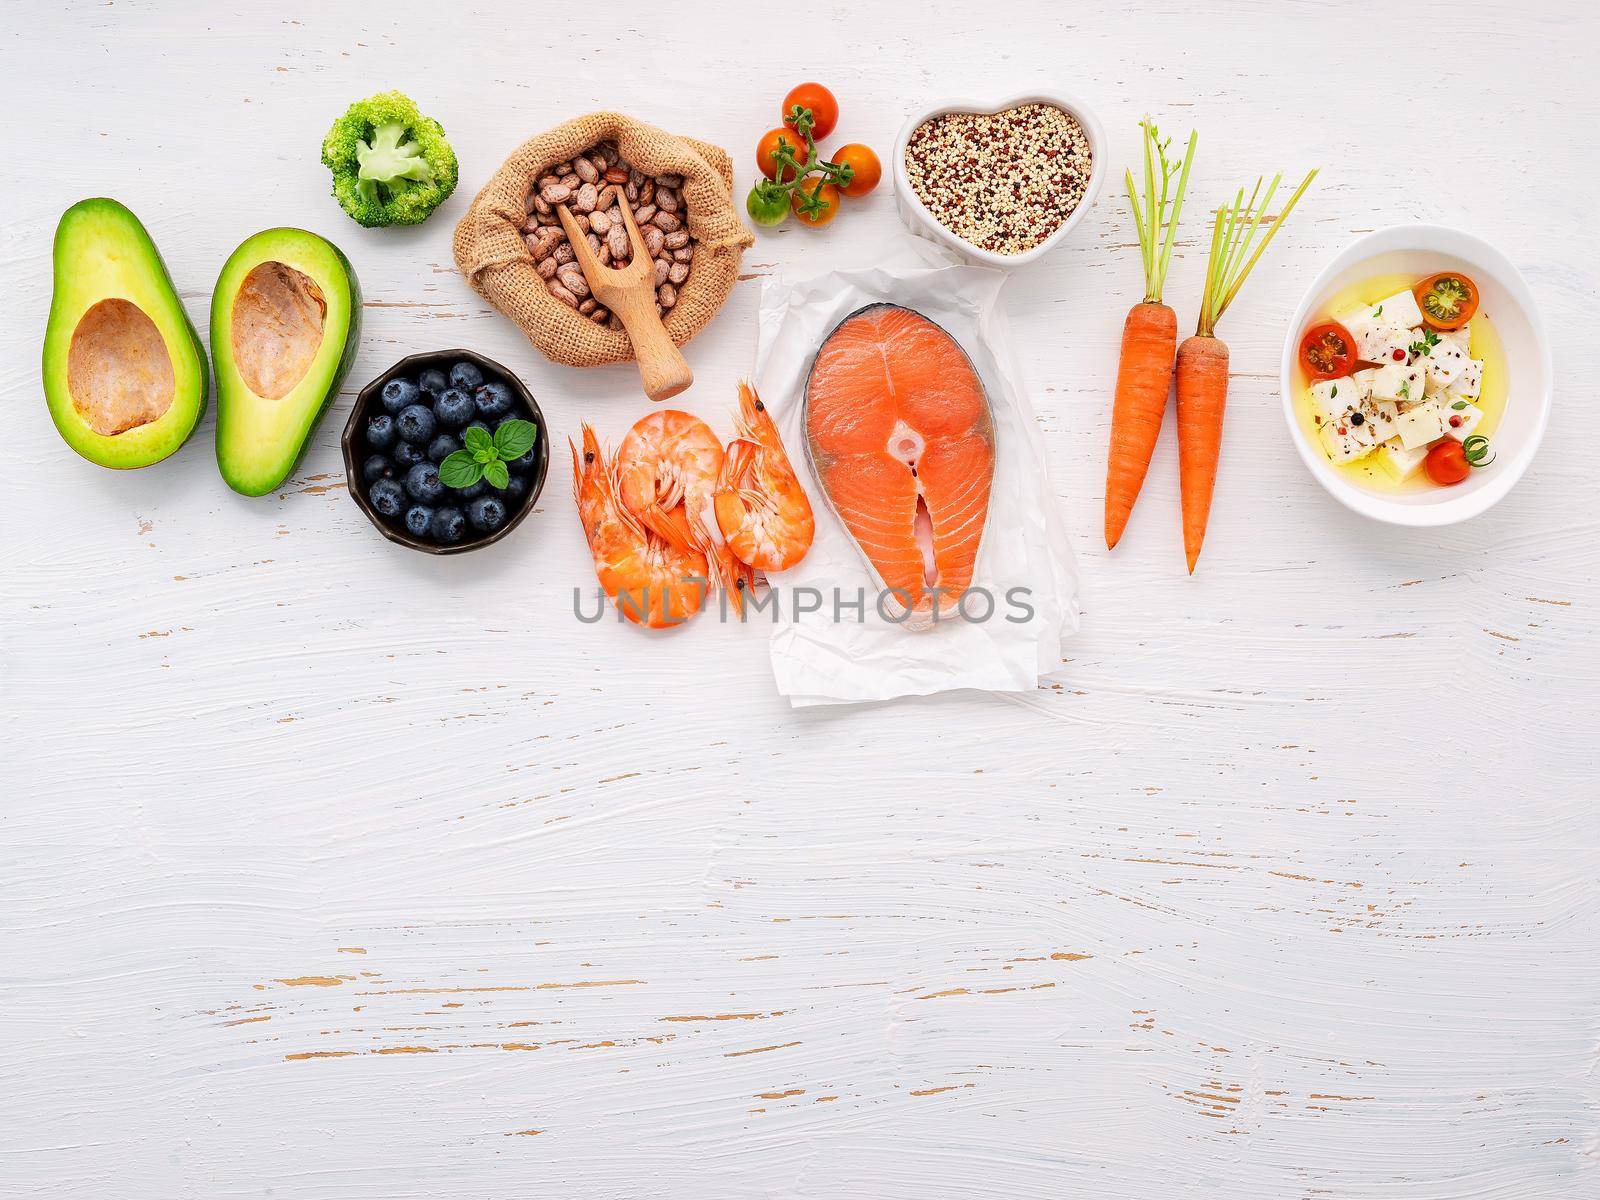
[252,460]
[91,238]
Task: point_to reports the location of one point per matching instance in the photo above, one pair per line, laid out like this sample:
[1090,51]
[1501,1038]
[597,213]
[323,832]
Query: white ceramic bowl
[922,222]
[1422,250]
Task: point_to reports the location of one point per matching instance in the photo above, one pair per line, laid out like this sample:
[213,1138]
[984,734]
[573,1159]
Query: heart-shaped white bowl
[920,221]
[1503,296]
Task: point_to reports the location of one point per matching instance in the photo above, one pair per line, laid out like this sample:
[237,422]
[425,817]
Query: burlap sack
[492,255]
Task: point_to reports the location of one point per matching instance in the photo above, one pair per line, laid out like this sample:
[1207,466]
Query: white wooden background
[328,870]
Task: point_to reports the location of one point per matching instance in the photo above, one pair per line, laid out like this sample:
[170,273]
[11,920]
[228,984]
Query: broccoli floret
[391,165]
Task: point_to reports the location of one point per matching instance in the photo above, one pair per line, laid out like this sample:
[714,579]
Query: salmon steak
[901,440]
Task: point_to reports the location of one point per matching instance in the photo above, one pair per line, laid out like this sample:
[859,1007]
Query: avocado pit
[278,319]
[119,373]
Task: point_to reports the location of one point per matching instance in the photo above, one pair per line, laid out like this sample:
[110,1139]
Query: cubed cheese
[1380,342]
[1332,398]
[1466,385]
[1344,442]
[1363,381]
[1388,379]
[1399,309]
[1459,337]
[1399,461]
[1379,416]
[1355,318]
[1422,425]
[1413,383]
[1461,418]
[1444,362]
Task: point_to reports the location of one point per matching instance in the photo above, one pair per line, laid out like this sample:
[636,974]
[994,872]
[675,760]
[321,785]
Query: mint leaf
[495,474]
[514,438]
[477,438]
[484,456]
[460,470]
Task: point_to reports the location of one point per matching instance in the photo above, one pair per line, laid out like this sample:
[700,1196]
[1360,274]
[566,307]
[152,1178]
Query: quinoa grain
[1004,181]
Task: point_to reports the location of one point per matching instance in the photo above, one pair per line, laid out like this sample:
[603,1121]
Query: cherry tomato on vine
[1447,300]
[767,204]
[830,197]
[1447,463]
[1328,351]
[861,160]
[824,108]
[767,149]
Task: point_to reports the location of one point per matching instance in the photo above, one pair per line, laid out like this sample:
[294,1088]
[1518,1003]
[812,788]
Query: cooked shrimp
[653,581]
[761,508]
[667,468]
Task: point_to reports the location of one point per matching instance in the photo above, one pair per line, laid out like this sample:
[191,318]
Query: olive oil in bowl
[1370,472]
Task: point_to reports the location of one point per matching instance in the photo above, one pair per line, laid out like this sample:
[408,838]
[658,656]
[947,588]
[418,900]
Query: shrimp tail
[670,525]
[730,506]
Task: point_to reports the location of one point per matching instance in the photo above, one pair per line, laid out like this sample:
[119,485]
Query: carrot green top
[1155,241]
[1231,236]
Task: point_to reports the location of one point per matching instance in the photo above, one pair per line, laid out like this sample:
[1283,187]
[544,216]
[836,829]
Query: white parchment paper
[831,656]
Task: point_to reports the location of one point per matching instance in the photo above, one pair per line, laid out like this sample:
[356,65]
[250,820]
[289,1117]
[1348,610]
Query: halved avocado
[124,372]
[285,319]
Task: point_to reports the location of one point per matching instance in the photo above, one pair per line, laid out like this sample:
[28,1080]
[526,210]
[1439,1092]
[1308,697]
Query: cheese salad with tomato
[1404,381]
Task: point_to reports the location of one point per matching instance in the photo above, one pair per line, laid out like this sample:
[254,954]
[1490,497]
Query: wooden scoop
[630,292]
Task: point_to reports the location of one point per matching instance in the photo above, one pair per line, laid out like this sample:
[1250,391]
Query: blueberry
[387,497]
[422,483]
[443,446]
[449,526]
[408,455]
[515,489]
[377,467]
[487,513]
[524,464]
[494,399]
[432,381]
[465,376]
[418,518]
[454,408]
[473,490]
[398,393]
[416,423]
[380,432]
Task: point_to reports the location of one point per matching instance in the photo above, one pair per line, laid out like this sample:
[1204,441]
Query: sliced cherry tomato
[828,196]
[1328,351]
[864,164]
[1447,463]
[824,108]
[1447,300]
[767,149]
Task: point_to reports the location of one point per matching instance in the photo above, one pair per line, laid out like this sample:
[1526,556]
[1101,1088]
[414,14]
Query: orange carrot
[1203,358]
[1202,395]
[1149,335]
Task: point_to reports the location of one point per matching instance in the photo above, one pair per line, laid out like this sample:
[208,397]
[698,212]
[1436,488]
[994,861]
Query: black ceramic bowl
[356,449]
